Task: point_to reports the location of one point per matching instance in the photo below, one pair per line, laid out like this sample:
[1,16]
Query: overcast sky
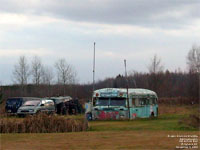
[134,30]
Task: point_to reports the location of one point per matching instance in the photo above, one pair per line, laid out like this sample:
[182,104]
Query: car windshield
[102,102]
[31,103]
[13,101]
[117,102]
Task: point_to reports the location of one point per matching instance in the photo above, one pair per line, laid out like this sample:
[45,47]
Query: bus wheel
[152,115]
[89,116]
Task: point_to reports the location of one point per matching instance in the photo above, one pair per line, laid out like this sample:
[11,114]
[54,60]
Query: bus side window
[133,101]
[154,100]
[147,101]
[151,101]
[137,102]
[142,102]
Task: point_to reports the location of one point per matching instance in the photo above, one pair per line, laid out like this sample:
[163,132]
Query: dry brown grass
[42,124]
[2,108]
[173,109]
[138,140]
[192,120]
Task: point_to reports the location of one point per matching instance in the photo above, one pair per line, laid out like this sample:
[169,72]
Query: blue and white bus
[114,103]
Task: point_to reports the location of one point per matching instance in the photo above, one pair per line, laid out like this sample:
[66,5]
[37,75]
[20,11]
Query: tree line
[164,83]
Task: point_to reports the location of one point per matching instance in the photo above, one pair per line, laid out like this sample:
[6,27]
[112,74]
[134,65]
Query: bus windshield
[102,102]
[117,102]
[111,102]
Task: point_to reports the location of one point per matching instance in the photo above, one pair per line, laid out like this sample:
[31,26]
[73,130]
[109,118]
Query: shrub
[43,123]
[193,120]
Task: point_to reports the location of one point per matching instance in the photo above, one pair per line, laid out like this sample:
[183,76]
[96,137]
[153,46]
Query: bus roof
[131,91]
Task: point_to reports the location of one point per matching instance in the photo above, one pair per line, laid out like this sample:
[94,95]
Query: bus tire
[152,115]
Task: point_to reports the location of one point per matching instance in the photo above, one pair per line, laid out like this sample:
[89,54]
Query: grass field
[144,134]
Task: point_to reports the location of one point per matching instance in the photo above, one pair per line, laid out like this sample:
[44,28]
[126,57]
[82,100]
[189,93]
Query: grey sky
[131,29]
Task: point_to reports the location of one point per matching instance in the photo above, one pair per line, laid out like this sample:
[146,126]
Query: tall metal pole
[93,73]
[127,97]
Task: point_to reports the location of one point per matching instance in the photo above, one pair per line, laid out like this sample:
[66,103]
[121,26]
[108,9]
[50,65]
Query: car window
[49,103]
[13,101]
[32,103]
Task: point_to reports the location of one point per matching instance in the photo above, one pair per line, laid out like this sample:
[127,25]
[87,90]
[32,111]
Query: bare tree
[47,78]
[36,70]
[47,75]
[155,65]
[21,71]
[66,73]
[193,59]
[155,68]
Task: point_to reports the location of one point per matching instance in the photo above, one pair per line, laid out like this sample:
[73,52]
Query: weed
[42,124]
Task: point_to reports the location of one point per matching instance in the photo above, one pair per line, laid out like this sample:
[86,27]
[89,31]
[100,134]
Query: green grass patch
[168,122]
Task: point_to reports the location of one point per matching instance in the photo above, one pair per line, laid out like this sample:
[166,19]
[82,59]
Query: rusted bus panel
[109,115]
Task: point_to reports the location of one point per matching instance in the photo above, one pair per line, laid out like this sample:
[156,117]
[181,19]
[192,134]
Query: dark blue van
[13,103]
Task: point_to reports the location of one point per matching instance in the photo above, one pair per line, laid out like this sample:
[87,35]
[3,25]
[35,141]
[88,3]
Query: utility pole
[93,74]
[127,98]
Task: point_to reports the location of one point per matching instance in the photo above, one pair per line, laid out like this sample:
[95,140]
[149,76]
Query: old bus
[114,103]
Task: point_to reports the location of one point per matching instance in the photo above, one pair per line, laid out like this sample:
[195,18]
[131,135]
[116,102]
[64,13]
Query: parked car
[36,106]
[67,105]
[13,103]
[60,104]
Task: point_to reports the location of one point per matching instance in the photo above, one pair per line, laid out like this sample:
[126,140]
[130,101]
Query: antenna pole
[93,74]
[127,97]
